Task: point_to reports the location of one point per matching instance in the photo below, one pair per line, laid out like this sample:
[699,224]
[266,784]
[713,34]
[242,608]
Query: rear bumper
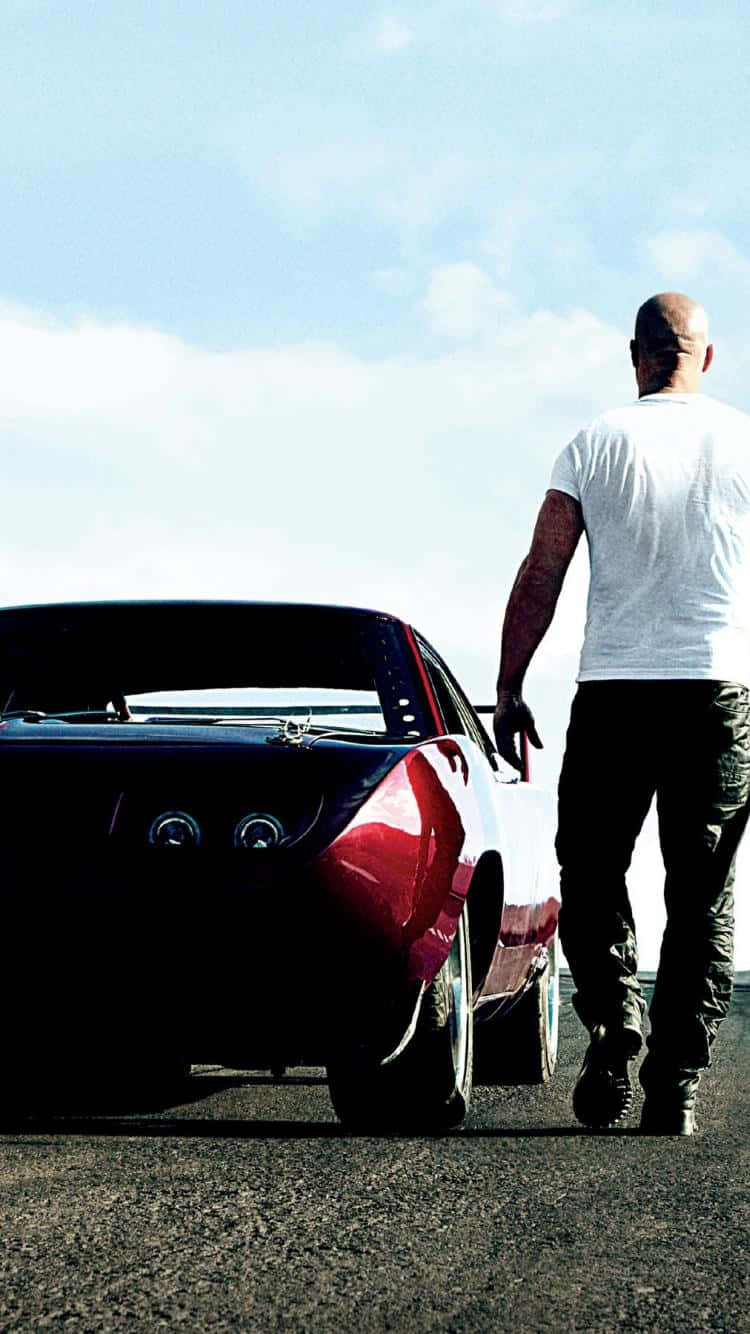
[200,953]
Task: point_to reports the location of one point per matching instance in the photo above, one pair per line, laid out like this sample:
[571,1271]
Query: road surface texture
[244,1206]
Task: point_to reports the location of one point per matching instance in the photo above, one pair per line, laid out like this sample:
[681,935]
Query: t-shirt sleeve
[565,473]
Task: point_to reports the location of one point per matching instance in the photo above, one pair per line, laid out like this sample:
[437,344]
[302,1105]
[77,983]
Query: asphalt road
[246,1207]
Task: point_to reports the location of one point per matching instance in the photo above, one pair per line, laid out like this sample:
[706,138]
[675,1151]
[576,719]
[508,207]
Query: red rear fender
[403,865]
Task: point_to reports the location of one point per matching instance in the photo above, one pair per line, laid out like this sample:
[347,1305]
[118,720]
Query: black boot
[603,1094]
[669,1108]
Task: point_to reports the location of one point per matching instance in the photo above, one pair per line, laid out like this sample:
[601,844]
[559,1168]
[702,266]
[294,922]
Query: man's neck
[673,384]
[675,374]
[668,389]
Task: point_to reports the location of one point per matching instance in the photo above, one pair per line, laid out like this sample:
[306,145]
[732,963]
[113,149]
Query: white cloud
[135,460]
[462,301]
[684,254]
[392,35]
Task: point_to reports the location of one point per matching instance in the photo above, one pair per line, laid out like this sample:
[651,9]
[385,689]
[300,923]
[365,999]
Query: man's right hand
[513,718]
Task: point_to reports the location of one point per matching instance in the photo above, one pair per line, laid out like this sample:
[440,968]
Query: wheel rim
[553,1009]
[459,1007]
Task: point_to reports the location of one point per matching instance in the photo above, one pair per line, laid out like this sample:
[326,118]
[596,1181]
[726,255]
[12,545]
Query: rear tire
[521,1047]
[428,1085]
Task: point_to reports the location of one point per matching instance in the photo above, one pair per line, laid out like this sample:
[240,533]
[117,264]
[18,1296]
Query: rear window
[360,710]
[336,667]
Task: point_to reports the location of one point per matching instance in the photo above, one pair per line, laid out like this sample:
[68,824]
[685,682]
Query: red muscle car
[268,835]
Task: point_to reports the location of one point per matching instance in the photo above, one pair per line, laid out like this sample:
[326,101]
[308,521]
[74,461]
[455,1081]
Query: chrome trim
[258,818]
[180,819]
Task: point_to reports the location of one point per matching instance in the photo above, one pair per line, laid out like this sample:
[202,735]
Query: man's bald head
[670,349]
[671,322]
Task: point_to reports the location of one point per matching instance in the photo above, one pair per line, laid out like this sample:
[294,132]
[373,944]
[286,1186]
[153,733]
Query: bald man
[661,489]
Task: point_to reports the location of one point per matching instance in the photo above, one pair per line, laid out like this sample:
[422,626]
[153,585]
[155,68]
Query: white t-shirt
[664,485]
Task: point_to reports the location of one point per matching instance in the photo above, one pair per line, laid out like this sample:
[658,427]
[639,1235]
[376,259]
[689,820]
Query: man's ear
[634,353]
[708,357]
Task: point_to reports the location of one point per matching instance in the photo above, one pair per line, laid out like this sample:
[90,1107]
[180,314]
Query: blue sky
[302,300]
[236,172]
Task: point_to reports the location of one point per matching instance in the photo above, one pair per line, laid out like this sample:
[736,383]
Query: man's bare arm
[530,609]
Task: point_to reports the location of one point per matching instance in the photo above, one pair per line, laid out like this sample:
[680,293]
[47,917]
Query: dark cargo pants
[689,743]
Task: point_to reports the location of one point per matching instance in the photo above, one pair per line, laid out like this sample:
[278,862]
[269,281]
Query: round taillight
[258,831]
[174,829]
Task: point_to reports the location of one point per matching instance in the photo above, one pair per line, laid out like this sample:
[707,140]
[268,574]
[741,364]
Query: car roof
[89,607]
